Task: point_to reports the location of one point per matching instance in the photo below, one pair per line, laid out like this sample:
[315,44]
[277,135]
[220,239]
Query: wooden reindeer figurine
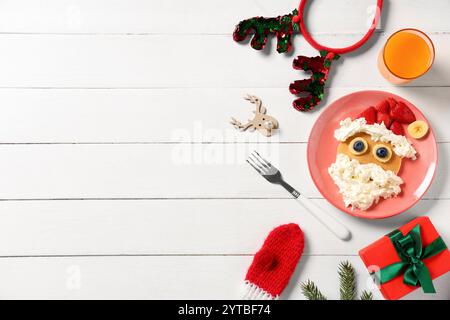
[261,122]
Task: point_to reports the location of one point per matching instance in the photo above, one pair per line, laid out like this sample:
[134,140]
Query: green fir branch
[311,292]
[347,279]
[366,295]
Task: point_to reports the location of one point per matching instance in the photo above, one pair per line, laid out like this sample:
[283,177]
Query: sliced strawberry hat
[274,264]
[397,128]
[384,118]
[402,113]
[391,112]
[392,102]
[383,107]
[370,114]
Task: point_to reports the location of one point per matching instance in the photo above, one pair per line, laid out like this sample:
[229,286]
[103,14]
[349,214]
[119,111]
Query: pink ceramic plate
[322,145]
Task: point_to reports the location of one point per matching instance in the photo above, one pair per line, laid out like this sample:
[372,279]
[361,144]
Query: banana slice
[418,129]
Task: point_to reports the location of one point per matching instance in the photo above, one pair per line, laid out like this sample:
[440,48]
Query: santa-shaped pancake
[370,154]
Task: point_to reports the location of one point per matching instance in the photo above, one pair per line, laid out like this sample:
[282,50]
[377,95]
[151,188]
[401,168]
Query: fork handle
[330,222]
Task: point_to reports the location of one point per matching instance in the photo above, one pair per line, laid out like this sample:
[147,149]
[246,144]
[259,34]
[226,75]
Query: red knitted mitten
[274,264]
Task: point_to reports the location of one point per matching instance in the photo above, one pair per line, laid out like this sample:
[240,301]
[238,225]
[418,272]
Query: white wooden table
[120,175]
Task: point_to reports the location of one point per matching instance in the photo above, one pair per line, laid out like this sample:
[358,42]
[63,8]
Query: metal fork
[273,175]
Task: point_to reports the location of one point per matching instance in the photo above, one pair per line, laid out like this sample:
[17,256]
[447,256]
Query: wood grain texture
[166,278]
[182,227]
[175,115]
[155,61]
[160,171]
[201,16]
[119,168]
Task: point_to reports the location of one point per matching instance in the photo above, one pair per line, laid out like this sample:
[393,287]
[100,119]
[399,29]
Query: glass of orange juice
[407,55]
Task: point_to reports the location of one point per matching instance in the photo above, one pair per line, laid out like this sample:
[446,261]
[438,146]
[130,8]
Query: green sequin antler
[281,26]
[311,89]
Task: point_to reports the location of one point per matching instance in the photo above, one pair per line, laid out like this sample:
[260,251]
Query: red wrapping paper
[382,253]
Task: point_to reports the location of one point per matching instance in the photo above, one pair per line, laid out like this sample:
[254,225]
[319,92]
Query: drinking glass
[407,55]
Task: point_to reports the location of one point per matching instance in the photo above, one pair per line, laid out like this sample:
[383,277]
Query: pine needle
[311,292]
[347,281]
[366,295]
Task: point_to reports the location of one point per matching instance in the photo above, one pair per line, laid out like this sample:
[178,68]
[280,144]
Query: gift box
[407,259]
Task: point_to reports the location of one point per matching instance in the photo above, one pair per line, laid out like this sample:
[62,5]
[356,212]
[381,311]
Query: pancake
[394,164]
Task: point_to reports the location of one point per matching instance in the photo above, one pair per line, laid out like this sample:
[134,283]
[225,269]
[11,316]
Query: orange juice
[407,55]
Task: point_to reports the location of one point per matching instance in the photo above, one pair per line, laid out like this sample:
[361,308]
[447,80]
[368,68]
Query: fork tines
[259,163]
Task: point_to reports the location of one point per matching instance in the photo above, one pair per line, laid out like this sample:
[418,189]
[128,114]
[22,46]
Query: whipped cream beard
[362,185]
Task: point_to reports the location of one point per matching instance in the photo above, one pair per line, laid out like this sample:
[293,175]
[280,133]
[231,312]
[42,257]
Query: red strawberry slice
[384,117]
[392,102]
[383,106]
[370,114]
[397,128]
[402,113]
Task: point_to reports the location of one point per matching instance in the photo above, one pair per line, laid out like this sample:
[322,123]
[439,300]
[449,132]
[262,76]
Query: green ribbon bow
[409,249]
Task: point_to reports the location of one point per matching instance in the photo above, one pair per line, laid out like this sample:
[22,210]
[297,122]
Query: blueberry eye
[358,146]
[382,152]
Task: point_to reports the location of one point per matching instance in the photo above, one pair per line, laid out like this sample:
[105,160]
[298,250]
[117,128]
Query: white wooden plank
[159,171]
[102,53]
[204,61]
[202,16]
[173,115]
[182,227]
[167,278]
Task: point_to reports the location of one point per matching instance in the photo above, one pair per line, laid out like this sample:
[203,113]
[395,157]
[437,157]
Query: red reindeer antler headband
[284,27]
